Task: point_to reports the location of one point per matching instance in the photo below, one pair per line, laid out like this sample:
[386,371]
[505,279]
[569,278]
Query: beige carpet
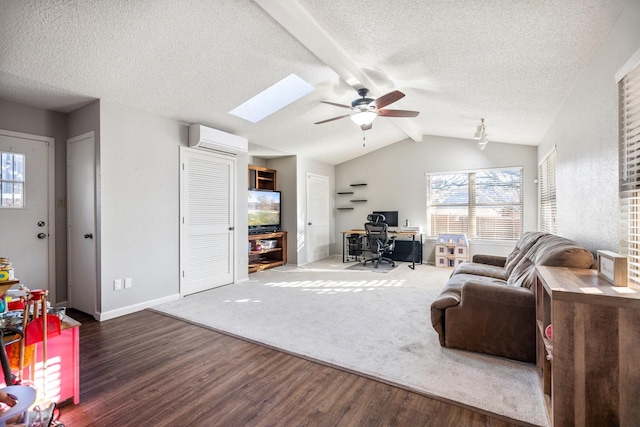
[376,325]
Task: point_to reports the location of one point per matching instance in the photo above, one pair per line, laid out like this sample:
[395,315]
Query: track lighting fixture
[481,135]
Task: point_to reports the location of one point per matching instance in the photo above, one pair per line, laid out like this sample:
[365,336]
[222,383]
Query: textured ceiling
[511,62]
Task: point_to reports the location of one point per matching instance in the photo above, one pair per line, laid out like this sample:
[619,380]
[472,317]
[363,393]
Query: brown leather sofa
[488,305]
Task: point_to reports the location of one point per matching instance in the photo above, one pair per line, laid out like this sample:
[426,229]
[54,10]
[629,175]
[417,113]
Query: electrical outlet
[128,282]
[117,284]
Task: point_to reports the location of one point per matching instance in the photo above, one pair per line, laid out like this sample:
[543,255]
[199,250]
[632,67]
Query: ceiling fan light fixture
[364,118]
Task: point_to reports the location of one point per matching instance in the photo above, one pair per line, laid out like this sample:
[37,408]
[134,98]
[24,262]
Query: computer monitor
[391,217]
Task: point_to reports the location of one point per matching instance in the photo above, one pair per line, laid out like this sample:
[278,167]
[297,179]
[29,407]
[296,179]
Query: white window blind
[629,122]
[484,204]
[547,189]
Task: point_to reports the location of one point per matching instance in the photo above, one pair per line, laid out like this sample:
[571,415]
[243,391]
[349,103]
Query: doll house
[451,250]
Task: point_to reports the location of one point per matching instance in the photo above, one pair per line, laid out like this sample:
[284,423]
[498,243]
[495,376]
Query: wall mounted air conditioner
[217,140]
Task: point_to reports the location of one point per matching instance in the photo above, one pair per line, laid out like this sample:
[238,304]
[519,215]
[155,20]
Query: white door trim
[51,208]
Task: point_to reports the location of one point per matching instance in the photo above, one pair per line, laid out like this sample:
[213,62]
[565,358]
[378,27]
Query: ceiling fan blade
[337,105]
[332,119]
[366,127]
[398,113]
[387,99]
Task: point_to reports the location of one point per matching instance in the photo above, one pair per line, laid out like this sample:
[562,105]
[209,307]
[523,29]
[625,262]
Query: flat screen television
[264,211]
[391,217]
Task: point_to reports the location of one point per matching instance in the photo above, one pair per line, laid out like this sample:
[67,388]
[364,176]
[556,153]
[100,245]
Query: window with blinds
[629,122]
[11,180]
[484,204]
[547,190]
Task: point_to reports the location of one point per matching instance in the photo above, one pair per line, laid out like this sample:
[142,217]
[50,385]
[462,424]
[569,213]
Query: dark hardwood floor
[147,369]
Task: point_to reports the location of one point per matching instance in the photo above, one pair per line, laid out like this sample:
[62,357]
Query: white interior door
[26,215]
[317,217]
[81,223]
[207,183]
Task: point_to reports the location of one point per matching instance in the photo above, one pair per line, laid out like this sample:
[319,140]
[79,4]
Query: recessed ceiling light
[270,100]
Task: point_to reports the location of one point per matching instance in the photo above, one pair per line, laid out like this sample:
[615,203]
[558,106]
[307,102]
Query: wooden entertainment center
[261,258]
[266,250]
[590,369]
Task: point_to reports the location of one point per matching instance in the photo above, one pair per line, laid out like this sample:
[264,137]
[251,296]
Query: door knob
[41,235]
[88,236]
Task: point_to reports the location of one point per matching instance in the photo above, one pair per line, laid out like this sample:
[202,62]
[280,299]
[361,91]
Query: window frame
[547,193]
[472,206]
[629,164]
[13,182]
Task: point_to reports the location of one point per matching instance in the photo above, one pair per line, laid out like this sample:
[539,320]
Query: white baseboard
[112,314]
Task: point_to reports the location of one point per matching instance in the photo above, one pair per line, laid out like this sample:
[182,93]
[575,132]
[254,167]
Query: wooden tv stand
[263,258]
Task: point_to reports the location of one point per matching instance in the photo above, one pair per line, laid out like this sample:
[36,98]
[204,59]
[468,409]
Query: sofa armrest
[493,319]
[444,301]
[496,260]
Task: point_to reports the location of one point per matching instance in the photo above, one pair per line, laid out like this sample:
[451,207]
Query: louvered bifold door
[207,221]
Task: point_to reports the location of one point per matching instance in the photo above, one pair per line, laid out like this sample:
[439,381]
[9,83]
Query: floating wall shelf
[352,200]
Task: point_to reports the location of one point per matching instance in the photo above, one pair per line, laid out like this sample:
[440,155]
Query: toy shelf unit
[451,250]
[267,250]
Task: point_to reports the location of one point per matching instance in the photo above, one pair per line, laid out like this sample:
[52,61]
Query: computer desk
[411,234]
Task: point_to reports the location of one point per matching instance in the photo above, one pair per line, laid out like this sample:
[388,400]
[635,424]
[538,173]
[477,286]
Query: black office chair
[378,239]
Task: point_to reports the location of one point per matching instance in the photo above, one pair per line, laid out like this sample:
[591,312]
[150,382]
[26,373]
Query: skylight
[270,100]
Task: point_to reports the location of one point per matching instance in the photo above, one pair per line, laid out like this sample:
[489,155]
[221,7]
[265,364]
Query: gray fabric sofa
[488,305]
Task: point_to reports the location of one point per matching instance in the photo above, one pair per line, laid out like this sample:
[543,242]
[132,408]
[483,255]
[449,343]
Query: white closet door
[318,217]
[207,220]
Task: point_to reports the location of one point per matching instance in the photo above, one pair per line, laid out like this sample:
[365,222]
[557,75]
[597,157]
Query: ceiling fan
[365,110]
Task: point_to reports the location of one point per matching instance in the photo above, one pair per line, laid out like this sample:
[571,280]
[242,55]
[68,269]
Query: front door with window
[25,221]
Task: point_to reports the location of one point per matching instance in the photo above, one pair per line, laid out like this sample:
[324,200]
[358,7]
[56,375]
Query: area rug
[375,325]
[382,268]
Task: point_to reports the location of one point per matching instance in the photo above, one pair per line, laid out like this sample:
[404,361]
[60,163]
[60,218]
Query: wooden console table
[593,377]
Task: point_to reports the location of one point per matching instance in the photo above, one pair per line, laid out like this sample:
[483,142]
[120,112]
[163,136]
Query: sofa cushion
[550,250]
[480,269]
[523,245]
[450,294]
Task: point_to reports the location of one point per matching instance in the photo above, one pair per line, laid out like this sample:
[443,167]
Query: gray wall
[585,133]
[139,227]
[396,180]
